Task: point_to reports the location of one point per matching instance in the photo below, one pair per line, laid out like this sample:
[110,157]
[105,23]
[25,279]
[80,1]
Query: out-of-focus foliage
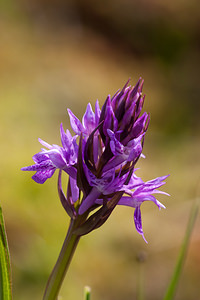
[5,270]
[59,54]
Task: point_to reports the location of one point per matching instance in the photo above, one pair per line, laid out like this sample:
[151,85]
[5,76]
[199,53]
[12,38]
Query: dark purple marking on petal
[42,176]
[40,157]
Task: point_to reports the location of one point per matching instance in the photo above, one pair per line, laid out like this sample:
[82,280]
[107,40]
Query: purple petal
[139,125]
[57,159]
[97,113]
[45,144]
[138,222]
[42,176]
[157,180]
[75,123]
[39,157]
[134,148]
[128,201]
[66,138]
[89,119]
[30,168]
[74,189]
[115,162]
[128,115]
[89,201]
[71,171]
[152,185]
[135,181]
[116,147]
[110,121]
[46,164]
[134,201]
[136,90]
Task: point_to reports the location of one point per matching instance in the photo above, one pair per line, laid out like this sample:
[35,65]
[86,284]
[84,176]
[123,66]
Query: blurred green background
[59,54]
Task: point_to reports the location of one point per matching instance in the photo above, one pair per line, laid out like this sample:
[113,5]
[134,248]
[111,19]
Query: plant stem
[57,276]
[87,293]
[170,293]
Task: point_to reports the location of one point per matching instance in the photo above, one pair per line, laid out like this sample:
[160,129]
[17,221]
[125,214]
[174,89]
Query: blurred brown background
[59,54]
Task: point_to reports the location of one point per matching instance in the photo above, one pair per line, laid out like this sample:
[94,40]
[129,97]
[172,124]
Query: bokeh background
[59,54]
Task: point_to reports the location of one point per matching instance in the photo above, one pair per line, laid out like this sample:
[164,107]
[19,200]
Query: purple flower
[101,166]
[123,154]
[109,183]
[63,158]
[142,192]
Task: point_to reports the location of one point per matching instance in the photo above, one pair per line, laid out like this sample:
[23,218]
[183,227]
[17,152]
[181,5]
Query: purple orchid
[63,158]
[121,153]
[101,167]
[109,183]
[142,192]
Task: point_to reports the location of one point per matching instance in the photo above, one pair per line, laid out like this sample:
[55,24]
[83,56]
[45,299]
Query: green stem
[57,276]
[87,293]
[170,293]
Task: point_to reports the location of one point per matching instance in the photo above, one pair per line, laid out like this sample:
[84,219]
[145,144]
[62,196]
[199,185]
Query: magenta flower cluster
[100,160]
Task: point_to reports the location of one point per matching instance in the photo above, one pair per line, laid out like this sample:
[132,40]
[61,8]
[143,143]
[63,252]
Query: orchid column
[100,160]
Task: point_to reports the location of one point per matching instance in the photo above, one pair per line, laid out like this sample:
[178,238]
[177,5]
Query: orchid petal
[75,123]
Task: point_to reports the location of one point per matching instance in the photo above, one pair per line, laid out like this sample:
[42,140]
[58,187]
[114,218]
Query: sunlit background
[59,54]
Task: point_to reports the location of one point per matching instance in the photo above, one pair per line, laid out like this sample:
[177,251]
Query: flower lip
[56,157]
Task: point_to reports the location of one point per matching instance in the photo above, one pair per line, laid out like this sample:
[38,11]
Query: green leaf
[87,293]
[182,254]
[5,270]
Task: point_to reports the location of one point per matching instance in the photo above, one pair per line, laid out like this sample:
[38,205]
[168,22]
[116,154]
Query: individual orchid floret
[44,167]
[142,192]
[56,157]
[109,183]
[121,153]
